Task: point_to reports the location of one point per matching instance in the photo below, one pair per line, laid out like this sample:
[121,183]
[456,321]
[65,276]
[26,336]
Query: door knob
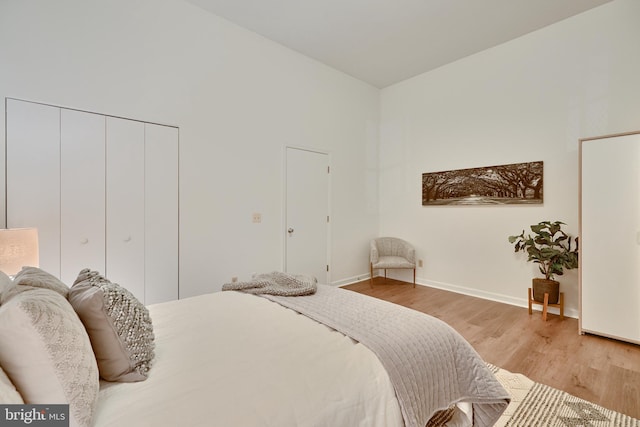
[290,230]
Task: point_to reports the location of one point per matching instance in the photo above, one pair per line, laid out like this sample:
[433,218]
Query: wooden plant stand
[546,305]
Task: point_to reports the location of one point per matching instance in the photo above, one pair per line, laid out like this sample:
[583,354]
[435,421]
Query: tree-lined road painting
[519,183]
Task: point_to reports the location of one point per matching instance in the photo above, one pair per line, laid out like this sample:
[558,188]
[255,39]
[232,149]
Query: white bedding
[430,365]
[230,359]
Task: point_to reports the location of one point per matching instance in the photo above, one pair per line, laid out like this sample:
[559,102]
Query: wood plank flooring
[601,370]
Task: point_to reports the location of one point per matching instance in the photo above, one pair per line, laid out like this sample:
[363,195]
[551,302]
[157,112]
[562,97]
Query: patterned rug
[537,405]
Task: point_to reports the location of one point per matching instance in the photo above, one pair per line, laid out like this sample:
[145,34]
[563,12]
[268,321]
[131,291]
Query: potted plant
[553,250]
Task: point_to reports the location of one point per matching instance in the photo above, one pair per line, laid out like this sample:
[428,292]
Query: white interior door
[82,197]
[307,213]
[33,175]
[125,204]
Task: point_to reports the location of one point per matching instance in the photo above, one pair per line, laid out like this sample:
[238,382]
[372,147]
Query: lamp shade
[18,248]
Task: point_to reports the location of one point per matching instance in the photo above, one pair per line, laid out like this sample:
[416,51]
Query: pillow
[5,284]
[8,392]
[12,291]
[49,360]
[119,327]
[33,276]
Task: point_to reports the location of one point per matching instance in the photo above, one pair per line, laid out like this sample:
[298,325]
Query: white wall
[238,100]
[526,100]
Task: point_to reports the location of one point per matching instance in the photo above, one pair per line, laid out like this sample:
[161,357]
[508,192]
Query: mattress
[233,359]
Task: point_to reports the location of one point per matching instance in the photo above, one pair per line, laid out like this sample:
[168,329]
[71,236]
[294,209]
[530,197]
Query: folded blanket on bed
[430,365]
[275,283]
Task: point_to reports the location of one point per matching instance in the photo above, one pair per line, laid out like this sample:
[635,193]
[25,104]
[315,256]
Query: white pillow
[38,278]
[49,360]
[5,283]
[8,392]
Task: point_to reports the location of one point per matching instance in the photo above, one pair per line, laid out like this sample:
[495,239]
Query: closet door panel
[610,237]
[125,204]
[33,175]
[161,213]
[82,193]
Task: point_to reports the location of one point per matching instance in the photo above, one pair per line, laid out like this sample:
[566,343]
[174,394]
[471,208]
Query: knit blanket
[275,283]
[430,365]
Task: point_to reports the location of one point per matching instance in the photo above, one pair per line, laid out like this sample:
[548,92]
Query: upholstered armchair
[391,252]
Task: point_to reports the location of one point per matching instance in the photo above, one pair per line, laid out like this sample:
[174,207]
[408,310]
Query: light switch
[257,217]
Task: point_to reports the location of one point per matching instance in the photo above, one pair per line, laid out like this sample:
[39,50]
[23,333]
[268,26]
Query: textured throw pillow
[47,354]
[119,327]
[37,278]
[8,392]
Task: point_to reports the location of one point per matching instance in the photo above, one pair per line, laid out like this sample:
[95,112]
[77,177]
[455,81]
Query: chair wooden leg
[371,277]
[545,306]
[385,275]
[414,277]
[530,309]
[561,305]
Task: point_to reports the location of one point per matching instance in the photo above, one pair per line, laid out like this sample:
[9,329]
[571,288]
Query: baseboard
[491,296]
[351,280]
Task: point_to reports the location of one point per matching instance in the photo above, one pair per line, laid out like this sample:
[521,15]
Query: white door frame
[284,205]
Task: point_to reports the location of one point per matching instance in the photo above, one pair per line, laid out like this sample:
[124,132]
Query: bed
[239,359]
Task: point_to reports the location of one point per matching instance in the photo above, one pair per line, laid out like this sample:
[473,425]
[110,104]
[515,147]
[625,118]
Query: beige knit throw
[275,283]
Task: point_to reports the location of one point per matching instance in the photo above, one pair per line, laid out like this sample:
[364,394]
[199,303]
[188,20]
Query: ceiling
[383,42]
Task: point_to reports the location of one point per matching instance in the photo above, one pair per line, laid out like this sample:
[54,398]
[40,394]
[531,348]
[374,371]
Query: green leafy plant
[549,247]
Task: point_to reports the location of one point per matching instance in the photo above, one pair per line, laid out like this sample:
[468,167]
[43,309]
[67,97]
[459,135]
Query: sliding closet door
[125,204]
[33,175]
[610,237]
[161,213]
[82,193]
[102,191]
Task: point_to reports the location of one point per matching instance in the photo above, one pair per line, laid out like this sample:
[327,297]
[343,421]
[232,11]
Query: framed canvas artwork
[519,183]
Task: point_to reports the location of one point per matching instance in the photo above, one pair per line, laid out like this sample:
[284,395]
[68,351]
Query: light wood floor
[601,370]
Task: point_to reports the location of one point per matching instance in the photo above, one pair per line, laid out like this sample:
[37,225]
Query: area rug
[537,405]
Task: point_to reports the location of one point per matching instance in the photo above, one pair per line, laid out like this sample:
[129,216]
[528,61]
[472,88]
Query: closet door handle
[84,241]
[127,239]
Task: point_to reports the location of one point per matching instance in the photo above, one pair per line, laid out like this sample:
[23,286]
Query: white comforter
[230,359]
[429,364]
